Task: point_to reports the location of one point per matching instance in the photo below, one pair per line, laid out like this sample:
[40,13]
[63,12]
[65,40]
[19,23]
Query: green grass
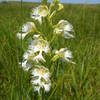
[81,81]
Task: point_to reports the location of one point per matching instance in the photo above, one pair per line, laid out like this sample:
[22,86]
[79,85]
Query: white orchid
[64,28]
[39,44]
[64,54]
[26,28]
[30,57]
[41,79]
[60,6]
[39,12]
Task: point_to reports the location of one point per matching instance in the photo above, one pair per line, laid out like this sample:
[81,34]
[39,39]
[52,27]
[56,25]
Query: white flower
[26,57]
[64,54]
[30,57]
[41,79]
[39,12]
[64,28]
[26,66]
[40,45]
[26,28]
[60,6]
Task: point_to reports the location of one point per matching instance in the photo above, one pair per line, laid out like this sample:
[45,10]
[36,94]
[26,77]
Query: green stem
[41,95]
[53,38]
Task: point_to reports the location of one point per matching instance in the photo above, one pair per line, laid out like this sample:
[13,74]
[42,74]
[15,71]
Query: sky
[71,1]
[63,1]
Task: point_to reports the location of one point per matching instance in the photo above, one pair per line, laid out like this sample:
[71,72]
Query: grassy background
[81,81]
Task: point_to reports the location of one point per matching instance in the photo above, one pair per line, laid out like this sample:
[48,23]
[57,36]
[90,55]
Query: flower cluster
[39,43]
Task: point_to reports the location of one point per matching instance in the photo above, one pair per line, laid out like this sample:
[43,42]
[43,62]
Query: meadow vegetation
[81,80]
